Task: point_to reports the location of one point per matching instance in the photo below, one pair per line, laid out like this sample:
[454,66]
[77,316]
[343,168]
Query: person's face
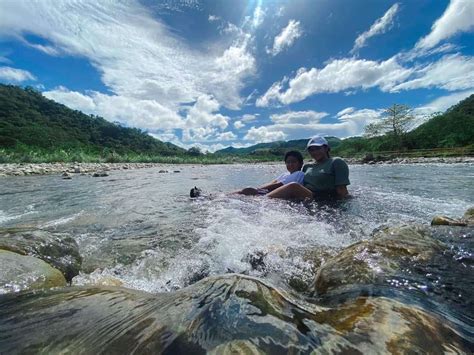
[318,152]
[292,164]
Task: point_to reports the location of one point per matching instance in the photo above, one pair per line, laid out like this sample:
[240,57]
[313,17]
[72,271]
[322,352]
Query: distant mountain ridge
[278,147]
[28,120]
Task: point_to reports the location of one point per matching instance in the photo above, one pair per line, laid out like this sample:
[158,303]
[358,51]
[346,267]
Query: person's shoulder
[307,165]
[338,160]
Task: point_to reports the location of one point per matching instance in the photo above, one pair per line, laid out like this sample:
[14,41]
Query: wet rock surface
[216,315]
[60,250]
[20,272]
[375,260]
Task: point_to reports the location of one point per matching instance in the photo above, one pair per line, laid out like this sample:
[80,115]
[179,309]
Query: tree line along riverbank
[34,129]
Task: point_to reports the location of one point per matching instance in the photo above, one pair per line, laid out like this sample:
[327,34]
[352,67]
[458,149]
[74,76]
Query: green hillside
[275,148]
[28,121]
[452,129]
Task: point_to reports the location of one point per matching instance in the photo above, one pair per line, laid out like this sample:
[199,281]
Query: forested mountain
[276,148]
[28,120]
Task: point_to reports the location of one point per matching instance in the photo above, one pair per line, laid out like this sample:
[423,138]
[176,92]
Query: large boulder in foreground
[59,250]
[216,315]
[19,272]
[373,261]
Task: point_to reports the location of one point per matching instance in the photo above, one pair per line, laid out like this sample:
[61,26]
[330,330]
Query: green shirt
[326,176]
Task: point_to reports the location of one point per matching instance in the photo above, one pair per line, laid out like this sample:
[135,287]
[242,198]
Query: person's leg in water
[292,190]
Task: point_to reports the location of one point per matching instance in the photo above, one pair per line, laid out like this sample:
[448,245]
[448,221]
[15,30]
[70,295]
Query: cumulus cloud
[249,118]
[379,27]
[239,124]
[442,103]
[226,136]
[303,117]
[451,72]
[15,75]
[338,75]
[145,114]
[458,17]
[287,37]
[264,134]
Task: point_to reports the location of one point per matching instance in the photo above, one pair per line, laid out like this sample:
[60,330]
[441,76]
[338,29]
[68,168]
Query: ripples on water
[140,227]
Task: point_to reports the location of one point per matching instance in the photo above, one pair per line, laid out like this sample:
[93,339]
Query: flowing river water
[140,228]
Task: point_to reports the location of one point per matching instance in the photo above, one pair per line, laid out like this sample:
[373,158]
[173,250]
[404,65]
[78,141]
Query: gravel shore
[100,169]
[69,169]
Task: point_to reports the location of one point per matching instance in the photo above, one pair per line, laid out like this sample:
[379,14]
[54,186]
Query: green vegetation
[449,133]
[34,129]
[31,123]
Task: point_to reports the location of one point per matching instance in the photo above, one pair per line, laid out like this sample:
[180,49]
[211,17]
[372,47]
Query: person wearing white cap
[326,177]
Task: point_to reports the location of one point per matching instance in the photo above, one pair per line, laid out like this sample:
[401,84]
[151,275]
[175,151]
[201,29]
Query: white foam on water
[236,228]
[5,217]
[62,220]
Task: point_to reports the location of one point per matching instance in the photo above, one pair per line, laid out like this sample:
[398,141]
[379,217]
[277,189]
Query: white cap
[317,141]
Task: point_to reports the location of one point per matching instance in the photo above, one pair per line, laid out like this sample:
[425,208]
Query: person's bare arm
[271,185]
[341,191]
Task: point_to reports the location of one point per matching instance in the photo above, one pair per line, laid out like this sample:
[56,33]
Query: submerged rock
[373,261]
[469,216]
[59,250]
[447,221]
[216,315]
[19,272]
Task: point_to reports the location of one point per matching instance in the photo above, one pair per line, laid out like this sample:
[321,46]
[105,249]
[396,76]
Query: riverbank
[68,169]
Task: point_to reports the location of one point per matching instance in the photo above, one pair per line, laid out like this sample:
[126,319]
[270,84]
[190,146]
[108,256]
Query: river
[141,227]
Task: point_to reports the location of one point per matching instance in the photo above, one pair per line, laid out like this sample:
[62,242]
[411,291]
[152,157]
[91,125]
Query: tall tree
[395,121]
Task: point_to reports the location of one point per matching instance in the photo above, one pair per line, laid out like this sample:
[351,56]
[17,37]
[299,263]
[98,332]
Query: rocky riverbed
[68,169]
[346,308]
[100,169]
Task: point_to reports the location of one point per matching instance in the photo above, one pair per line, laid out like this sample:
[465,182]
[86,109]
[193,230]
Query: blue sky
[218,73]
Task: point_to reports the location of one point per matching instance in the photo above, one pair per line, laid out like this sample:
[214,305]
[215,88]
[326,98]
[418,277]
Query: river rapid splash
[255,273]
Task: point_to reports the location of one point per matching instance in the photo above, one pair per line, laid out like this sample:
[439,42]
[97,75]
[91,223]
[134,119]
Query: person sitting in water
[326,177]
[294,163]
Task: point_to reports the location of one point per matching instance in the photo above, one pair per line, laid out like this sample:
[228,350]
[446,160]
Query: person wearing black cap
[325,178]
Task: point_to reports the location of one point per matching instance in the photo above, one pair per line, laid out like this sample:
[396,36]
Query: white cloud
[264,134]
[346,111]
[213,18]
[235,63]
[272,95]
[452,72]
[249,118]
[202,114]
[135,54]
[287,37]
[442,103]
[258,16]
[166,136]
[457,18]
[145,114]
[380,26]
[303,117]
[337,75]
[226,136]
[239,124]
[10,74]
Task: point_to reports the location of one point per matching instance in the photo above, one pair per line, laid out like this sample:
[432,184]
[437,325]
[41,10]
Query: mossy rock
[469,216]
[373,261]
[216,315]
[59,250]
[20,272]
